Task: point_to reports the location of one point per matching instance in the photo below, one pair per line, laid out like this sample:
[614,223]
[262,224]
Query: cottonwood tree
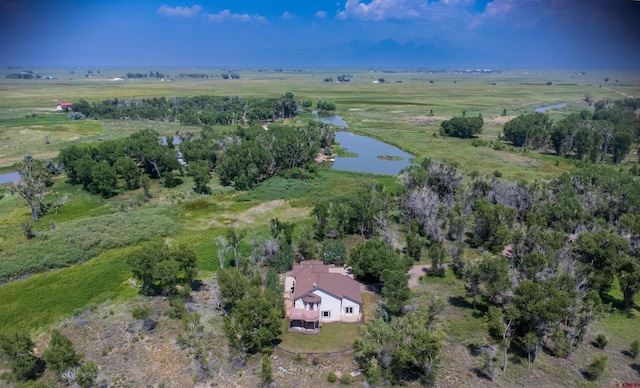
[32,184]
[395,290]
[370,258]
[161,268]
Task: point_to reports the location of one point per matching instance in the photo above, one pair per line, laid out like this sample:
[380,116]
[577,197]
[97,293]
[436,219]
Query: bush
[331,377]
[601,341]
[596,368]
[141,312]
[634,349]
[60,354]
[346,379]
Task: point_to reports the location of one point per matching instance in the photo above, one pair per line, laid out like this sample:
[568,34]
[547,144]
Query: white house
[318,295]
[63,106]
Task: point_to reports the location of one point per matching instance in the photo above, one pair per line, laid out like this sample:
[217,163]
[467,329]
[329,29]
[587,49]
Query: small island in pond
[389,157]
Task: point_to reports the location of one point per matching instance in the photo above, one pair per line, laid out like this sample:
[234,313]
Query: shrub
[596,368]
[346,379]
[266,372]
[634,349]
[86,374]
[141,312]
[331,377]
[601,341]
[60,354]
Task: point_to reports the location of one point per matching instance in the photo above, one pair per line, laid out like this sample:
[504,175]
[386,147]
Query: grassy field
[92,236]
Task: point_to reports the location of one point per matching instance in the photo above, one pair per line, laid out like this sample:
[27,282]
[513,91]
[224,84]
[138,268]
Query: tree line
[550,252]
[605,134]
[196,110]
[250,155]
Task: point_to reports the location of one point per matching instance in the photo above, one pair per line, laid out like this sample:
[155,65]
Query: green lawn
[333,337]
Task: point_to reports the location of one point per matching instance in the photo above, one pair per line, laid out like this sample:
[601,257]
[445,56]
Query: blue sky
[322,33]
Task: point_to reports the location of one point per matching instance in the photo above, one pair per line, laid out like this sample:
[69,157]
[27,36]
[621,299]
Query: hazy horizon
[526,34]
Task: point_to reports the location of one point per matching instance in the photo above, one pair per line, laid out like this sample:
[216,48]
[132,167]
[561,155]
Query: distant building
[63,106]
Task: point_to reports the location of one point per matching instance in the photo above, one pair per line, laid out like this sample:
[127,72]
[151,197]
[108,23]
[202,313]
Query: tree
[494,273]
[161,268]
[540,305]
[438,254]
[530,129]
[597,367]
[415,242]
[233,286]
[60,354]
[266,371]
[306,244]
[235,237]
[199,171]
[334,252]
[371,258]
[463,127]
[621,144]
[103,180]
[599,253]
[32,184]
[16,349]
[400,350]
[255,322]
[395,290]
[628,271]
[472,277]
[326,105]
[128,171]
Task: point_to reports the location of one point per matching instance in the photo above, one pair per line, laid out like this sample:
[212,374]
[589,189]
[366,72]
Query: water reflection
[369,151]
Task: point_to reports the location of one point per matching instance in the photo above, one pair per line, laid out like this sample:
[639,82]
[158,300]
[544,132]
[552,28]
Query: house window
[348,310]
[326,314]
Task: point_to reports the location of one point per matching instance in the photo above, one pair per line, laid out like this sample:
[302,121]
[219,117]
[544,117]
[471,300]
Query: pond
[176,141]
[9,177]
[374,156]
[543,109]
[336,120]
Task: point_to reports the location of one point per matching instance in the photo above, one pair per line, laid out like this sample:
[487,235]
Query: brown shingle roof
[313,274]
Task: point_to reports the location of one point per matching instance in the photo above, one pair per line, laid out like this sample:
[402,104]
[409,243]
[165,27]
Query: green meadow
[78,259]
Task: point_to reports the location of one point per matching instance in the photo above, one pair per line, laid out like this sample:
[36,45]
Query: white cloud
[227,15]
[179,11]
[320,14]
[287,16]
[383,9]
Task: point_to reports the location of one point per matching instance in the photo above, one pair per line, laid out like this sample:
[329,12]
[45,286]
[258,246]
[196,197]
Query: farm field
[73,274]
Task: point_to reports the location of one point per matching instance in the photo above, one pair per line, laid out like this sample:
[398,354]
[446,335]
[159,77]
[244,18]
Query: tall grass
[43,299]
[82,239]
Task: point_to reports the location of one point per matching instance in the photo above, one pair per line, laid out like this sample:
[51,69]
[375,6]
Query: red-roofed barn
[63,106]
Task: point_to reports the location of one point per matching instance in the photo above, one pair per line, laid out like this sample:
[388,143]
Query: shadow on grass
[474,350]
[196,285]
[627,353]
[462,302]
[615,303]
[635,367]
